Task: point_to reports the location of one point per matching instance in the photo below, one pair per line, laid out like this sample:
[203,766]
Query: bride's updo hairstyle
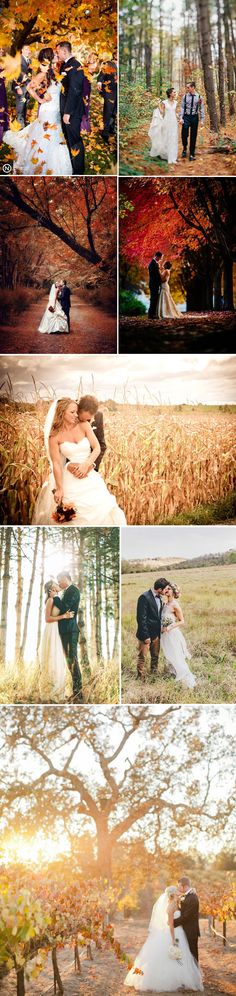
[59,416]
[47,588]
[169,91]
[45,58]
[176,590]
[171,891]
[167,265]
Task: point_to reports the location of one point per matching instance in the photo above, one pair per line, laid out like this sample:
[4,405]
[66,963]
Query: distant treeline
[209,560]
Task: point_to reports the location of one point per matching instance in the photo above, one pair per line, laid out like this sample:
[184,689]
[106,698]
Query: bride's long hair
[45,58]
[59,415]
[47,588]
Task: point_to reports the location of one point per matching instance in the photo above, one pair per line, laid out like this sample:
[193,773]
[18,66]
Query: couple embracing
[52,145]
[162,304]
[168,960]
[159,618]
[59,666]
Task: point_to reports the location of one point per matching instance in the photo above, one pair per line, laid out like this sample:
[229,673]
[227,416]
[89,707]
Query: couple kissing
[159,618]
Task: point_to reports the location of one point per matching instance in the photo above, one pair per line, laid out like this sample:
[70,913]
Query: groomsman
[191,109]
[19,86]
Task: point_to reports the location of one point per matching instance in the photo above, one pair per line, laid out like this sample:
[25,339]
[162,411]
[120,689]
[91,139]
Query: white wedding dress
[41,148]
[166,306]
[163,133]
[53,321]
[94,504]
[161,973]
[175,649]
[55,683]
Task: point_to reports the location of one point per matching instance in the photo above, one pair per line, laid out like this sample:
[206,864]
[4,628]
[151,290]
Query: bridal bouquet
[167,621]
[64,513]
[175,952]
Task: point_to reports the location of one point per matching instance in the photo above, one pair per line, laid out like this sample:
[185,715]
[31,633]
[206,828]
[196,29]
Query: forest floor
[92,331]
[135,155]
[191,333]
[104,976]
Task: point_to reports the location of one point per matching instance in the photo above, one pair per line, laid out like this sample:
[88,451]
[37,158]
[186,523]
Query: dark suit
[98,428]
[69,632]
[65,299]
[22,99]
[71,102]
[154,284]
[189,920]
[149,611]
[108,78]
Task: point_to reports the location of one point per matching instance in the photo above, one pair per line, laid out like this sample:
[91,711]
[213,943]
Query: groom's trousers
[143,649]
[69,642]
[193,944]
[75,146]
[190,121]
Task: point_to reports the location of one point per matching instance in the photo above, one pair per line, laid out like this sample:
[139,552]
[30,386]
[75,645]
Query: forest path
[92,331]
[191,333]
[136,158]
[104,976]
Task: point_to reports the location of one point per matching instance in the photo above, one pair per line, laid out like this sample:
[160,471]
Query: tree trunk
[19,595]
[229,59]
[206,56]
[77,958]
[41,589]
[28,604]
[85,662]
[20,983]
[217,290]
[98,601]
[228,285]
[224,933]
[5,591]
[56,974]
[221,68]
[107,604]
[104,851]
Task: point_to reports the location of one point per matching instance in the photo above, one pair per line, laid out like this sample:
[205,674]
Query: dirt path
[92,331]
[136,158]
[210,333]
[104,976]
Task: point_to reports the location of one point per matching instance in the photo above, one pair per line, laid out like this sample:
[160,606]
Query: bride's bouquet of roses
[167,621]
[175,952]
[64,513]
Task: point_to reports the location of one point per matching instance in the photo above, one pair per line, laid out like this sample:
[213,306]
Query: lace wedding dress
[166,306]
[175,649]
[40,148]
[161,973]
[55,680]
[94,504]
[55,321]
[163,133]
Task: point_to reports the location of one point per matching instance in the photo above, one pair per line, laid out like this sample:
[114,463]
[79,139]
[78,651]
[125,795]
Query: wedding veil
[159,918]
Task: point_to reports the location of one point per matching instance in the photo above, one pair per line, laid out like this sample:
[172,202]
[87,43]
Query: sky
[141,542]
[194,378]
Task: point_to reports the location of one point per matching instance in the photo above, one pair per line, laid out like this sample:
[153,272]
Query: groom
[189,914]
[149,610]
[69,630]
[65,299]
[154,283]
[72,105]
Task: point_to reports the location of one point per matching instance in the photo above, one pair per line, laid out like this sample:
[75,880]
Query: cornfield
[158,463]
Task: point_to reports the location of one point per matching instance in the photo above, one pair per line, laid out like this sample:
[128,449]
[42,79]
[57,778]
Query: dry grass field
[207,599]
[21,684]
[163,465]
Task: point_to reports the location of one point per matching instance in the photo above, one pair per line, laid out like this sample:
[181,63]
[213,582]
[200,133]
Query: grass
[22,684]
[207,601]
[15,302]
[161,464]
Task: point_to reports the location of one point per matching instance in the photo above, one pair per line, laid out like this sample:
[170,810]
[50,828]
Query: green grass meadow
[207,600]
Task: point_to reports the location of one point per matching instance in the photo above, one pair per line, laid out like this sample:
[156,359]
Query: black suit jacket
[69,602]
[65,299]
[98,429]
[148,616]
[189,916]
[154,275]
[108,78]
[25,74]
[71,98]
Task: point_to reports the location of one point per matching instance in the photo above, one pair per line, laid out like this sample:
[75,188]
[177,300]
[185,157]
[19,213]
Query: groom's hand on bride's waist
[66,118]
[75,469]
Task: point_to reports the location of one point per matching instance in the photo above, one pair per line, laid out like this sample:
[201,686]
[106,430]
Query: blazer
[69,602]
[148,616]
[154,275]
[98,429]
[189,915]
[71,98]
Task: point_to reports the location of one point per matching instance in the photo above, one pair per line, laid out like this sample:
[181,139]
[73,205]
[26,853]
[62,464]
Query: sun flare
[36,850]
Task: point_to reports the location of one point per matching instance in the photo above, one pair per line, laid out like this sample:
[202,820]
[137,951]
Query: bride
[55,679]
[69,444]
[163,130]
[163,964]
[40,148]
[54,318]
[166,306]
[173,643]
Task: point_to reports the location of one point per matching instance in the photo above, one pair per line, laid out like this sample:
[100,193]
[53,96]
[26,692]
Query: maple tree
[27,22]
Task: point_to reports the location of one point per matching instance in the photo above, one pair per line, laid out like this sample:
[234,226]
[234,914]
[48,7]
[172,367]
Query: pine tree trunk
[107,604]
[98,601]
[221,68]
[19,595]
[41,589]
[85,662]
[206,56]
[229,59]
[5,591]
[24,637]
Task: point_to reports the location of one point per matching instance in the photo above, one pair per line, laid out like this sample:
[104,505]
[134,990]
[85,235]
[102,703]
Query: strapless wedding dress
[163,133]
[175,650]
[94,504]
[166,306]
[55,680]
[40,148]
[161,973]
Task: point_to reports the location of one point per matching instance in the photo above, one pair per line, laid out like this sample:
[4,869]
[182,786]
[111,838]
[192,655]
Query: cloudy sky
[139,542]
[164,379]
